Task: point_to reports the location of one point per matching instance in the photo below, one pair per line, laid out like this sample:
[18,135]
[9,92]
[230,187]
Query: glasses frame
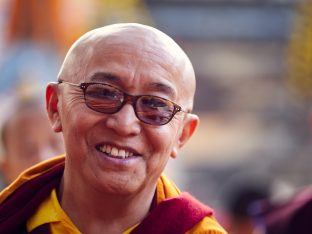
[128,98]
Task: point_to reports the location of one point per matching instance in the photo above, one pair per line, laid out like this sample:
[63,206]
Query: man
[27,139]
[123,102]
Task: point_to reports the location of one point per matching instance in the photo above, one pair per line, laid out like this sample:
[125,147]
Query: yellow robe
[165,189]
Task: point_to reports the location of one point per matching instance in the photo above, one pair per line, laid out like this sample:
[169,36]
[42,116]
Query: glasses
[108,99]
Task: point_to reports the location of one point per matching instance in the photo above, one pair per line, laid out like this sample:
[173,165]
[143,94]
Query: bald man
[123,103]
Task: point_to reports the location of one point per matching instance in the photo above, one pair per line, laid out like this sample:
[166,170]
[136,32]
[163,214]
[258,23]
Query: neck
[103,211]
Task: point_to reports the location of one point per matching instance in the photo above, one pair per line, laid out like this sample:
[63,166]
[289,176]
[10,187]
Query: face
[92,138]
[29,140]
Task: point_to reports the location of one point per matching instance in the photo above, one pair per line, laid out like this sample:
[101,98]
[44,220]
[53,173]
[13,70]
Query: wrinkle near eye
[74,97]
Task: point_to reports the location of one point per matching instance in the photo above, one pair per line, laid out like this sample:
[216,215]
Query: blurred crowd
[35,37]
[36,34]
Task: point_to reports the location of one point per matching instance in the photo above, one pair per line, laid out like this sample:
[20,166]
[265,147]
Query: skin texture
[138,60]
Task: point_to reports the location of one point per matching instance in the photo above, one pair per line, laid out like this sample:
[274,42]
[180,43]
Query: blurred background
[253,62]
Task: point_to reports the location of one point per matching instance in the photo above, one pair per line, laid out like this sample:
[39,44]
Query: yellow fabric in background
[113,11]
[300,52]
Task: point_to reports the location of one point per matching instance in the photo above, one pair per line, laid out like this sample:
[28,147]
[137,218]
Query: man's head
[27,139]
[122,150]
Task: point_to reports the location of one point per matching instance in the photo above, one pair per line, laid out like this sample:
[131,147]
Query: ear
[190,125]
[52,107]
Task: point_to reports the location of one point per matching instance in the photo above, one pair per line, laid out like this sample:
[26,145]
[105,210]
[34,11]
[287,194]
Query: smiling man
[123,102]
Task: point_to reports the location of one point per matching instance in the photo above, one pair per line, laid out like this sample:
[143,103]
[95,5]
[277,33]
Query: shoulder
[207,225]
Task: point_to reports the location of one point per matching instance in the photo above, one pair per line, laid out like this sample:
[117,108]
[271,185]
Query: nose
[124,122]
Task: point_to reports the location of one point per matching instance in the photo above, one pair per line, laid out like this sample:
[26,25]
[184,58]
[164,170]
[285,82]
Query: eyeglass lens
[149,109]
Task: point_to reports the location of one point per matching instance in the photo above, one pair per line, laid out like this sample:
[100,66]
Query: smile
[115,152]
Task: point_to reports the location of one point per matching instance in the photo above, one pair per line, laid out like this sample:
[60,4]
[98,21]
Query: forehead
[114,78]
[132,54]
[129,54]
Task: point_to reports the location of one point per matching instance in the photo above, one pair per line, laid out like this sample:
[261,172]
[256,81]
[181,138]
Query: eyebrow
[104,76]
[164,88]
[109,77]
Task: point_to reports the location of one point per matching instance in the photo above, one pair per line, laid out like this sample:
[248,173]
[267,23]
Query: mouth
[116,152]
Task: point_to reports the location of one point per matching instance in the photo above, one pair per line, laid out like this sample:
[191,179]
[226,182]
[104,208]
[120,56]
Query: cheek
[162,141]
[76,123]
[167,136]
[76,130]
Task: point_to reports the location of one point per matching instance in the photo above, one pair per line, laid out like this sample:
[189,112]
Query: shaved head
[146,40]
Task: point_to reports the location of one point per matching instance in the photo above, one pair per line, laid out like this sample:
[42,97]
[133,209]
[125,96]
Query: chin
[118,186]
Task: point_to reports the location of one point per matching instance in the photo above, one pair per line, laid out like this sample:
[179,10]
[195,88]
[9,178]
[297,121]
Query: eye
[108,93]
[103,92]
[154,102]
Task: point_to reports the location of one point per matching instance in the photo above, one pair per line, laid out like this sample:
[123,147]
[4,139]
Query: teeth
[108,149]
[113,151]
[122,153]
